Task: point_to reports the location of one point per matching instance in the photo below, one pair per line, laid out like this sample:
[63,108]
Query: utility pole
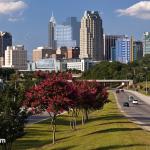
[146,80]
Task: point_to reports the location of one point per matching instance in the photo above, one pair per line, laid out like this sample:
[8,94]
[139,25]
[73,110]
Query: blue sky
[27,20]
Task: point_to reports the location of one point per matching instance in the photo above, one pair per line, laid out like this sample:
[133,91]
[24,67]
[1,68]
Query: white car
[135,101]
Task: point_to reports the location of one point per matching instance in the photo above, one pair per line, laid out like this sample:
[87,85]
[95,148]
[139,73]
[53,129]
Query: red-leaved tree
[54,95]
[90,96]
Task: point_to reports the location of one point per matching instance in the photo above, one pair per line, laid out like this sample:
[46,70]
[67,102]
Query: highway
[139,114]
[37,118]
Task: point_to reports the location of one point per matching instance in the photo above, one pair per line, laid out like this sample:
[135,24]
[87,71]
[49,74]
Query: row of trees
[137,71]
[57,93]
[44,91]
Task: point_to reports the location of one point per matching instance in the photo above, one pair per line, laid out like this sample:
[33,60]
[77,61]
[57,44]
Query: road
[139,114]
[37,118]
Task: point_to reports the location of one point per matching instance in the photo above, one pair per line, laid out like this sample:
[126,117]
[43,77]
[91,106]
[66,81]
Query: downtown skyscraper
[5,40]
[75,25]
[51,33]
[146,43]
[110,45]
[91,36]
[63,35]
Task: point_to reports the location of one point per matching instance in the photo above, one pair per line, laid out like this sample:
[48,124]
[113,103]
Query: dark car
[126,104]
[122,90]
[117,91]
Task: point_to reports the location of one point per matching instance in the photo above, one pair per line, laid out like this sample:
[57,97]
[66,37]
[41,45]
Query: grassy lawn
[106,130]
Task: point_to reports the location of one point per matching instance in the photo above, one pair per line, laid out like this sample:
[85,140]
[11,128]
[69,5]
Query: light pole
[146,79]
[1,84]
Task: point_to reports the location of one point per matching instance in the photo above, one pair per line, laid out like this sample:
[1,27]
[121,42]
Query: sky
[27,20]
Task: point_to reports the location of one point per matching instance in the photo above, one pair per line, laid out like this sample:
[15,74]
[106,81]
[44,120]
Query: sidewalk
[143,97]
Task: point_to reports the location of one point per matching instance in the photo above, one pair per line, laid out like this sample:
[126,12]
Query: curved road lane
[37,118]
[139,114]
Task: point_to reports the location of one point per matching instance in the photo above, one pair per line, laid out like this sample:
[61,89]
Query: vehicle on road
[135,101]
[117,91]
[126,104]
[131,98]
[122,90]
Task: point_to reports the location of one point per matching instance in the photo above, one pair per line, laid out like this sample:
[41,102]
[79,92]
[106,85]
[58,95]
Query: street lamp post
[1,84]
[146,80]
[146,84]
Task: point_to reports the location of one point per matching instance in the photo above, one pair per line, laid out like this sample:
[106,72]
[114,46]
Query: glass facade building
[63,36]
[146,43]
[5,40]
[49,64]
[123,46]
[51,33]
[75,24]
[138,50]
[109,44]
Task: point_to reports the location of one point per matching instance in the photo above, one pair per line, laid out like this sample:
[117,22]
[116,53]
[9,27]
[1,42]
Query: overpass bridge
[130,82]
[123,82]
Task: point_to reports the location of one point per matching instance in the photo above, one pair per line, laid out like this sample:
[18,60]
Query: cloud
[139,10]
[13,9]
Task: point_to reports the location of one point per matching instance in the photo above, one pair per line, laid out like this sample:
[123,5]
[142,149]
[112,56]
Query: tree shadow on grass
[63,138]
[114,130]
[115,122]
[107,117]
[64,148]
[119,146]
[27,144]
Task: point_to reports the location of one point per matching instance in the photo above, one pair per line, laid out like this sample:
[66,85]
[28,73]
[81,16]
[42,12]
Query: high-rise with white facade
[91,36]
[16,57]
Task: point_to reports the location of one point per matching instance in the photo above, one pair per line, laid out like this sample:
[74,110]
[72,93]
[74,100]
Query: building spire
[53,18]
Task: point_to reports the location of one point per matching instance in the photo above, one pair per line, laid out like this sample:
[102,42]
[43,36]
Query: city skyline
[28,20]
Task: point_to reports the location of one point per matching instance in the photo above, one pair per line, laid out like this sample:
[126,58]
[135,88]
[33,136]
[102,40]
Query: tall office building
[123,47]
[138,50]
[16,57]
[91,36]
[63,36]
[109,44]
[146,43]
[75,25]
[5,40]
[51,33]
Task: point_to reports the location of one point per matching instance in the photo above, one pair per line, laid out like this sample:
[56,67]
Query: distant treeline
[137,70]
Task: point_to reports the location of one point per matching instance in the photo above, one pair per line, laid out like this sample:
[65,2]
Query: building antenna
[52,14]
